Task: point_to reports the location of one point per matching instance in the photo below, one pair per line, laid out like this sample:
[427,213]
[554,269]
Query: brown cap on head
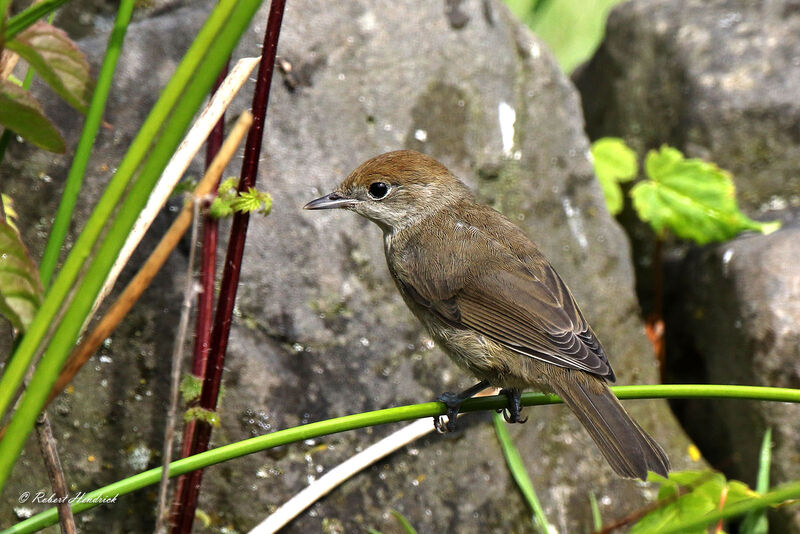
[394,188]
[401,167]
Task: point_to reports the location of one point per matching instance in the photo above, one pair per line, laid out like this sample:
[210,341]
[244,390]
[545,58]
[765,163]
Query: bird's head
[395,189]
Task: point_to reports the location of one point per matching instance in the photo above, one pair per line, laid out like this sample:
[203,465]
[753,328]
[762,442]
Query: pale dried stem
[139,283]
[177,165]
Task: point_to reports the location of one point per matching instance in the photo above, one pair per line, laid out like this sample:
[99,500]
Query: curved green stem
[416,411]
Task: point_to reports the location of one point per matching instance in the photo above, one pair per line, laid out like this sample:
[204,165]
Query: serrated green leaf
[252,200]
[247,201]
[20,288]
[22,114]
[201,414]
[614,162]
[59,62]
[191,387]
[228,186]
[692,198]
[220,208]
[266,204]
[689,495]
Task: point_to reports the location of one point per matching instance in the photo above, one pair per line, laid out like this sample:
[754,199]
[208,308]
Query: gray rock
[717,80]
[738,322]
[320,331]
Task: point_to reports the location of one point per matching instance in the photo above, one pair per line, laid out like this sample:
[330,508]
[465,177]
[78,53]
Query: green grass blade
[407,413]
[755,522]
[517,468]
[94,117]
[405,524]
[764,461]
[25,18]
[597,518]
[57,293]
[222,31]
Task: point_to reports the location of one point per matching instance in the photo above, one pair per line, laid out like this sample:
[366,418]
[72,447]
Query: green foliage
[614,163]
[229,200]
[69,299]
[25,18]
[185,186]
[407,413]
[755,522]
[57,60]
[692,198]
[251,201]
[20,288]
[571,28]
[7,210]
[689,495]
[20,112]
[517,468]
[405,524]
[190,387]
[62,66]
[597,518]
[197,413]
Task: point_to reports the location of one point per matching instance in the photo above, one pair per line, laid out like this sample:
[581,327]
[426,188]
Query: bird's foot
[453,402]
[512,414]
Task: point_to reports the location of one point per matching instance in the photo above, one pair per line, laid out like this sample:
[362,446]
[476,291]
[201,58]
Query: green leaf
[689,495]
[614,162]
[22,114]
[201,414]
[220,208]
[692,198]
[7,205]
[517,468]
[252,200]
[597,518]
[405,524]
[57,60]
[191,387]
[29,16]
[20,288]
[755,522]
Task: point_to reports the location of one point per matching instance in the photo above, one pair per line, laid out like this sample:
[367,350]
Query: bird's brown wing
[537,317]
[528,310]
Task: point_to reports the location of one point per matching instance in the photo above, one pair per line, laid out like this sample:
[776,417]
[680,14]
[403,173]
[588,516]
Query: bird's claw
[512,417]
[453,402]
[512,414]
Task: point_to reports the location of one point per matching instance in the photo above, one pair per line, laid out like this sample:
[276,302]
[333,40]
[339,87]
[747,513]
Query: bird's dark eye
[378,190]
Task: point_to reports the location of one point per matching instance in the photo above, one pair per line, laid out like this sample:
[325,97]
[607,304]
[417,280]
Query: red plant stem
[205,298]
[233,259]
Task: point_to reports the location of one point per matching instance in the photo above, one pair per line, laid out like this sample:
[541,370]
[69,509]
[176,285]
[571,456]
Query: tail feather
[630,451]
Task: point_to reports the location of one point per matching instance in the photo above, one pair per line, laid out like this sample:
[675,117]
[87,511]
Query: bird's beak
[330,201]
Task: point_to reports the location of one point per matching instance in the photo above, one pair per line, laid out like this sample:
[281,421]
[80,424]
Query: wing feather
[518,301]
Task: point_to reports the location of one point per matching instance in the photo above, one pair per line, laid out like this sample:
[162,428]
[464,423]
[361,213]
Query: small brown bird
[490,299]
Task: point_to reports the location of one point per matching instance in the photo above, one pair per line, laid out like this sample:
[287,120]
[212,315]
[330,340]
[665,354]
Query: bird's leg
[453,402]
[512,413]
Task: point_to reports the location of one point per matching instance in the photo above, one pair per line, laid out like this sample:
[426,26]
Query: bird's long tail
[630,451]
